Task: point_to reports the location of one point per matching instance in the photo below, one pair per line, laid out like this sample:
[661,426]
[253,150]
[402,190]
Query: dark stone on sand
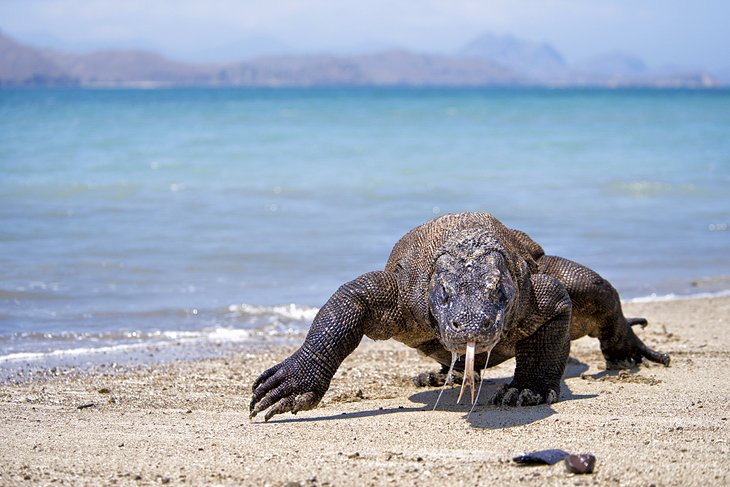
[541,457]
[580,464]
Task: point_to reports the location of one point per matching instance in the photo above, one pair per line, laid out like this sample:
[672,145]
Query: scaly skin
[458,279]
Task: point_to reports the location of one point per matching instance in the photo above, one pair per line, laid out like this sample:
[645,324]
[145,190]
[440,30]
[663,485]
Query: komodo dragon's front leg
[366,306]
[541,357]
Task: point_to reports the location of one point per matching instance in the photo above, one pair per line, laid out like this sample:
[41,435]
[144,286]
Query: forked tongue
[454,358]
[468,371]
[481,382]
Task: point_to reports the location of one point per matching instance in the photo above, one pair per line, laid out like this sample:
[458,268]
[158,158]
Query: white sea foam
[229,335]
[216,334]
[236,323]
[288,311]
[676,297]
[70,352]
[154,341]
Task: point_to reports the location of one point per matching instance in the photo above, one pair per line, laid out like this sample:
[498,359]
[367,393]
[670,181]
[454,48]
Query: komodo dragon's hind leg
[597,312]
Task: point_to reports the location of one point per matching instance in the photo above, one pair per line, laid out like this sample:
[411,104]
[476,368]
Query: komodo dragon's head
[470,295]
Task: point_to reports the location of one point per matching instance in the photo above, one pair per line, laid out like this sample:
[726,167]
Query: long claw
[264,376]
[268,390]
[283,406]
[653,355]
[266,382]
[637,321]
[274,396]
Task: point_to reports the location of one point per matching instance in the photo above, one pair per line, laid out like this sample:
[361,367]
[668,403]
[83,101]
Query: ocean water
[181,221]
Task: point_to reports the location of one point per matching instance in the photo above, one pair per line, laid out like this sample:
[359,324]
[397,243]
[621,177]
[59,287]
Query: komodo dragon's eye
[443,294]
[505,291]
[497,293]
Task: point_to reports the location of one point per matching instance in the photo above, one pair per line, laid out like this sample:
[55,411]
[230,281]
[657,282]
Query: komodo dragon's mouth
[469,373]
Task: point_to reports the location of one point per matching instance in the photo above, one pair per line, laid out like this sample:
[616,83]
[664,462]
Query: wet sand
[187,423]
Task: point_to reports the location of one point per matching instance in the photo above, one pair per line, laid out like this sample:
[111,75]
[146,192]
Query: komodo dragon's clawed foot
[512,396]
[630,351]
[291,386]
[434,378]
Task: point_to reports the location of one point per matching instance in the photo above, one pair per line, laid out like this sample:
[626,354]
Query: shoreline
[156,347]
[187,422]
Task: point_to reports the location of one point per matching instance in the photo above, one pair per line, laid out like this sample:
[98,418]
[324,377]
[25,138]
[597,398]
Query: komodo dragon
[458,282]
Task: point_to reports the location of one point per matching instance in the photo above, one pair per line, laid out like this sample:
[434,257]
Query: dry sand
[187,423]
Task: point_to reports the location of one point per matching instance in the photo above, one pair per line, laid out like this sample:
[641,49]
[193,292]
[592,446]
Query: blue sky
[669,32]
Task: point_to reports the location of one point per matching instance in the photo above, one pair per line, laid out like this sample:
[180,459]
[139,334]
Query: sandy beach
[187,422]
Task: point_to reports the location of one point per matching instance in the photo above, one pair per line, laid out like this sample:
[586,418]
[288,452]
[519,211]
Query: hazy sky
[662,32]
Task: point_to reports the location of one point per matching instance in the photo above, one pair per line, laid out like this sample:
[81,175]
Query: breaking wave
[676,297]
[212,332]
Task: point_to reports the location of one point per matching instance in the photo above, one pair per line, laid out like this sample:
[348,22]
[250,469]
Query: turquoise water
[131,217]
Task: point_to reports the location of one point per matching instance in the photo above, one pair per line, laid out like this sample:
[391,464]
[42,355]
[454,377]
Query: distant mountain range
[487,61]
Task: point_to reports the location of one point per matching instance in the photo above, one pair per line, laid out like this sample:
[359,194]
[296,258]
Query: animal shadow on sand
[345,416]
[488,416]
[484,415]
